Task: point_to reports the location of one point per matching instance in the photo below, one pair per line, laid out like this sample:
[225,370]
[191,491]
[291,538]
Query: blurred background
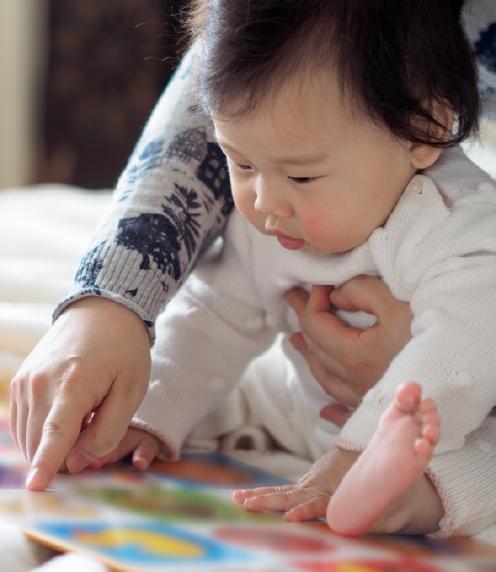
[78,79]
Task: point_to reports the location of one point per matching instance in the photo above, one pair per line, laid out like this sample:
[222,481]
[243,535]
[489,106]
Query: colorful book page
[181,517]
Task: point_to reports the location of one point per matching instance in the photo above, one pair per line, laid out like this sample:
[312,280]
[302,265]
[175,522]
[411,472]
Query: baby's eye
[243,167]
[302,180]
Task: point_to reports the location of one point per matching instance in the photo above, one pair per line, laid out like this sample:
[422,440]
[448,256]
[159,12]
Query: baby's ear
[424,155]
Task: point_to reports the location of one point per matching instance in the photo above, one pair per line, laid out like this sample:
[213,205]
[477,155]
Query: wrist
[106,309]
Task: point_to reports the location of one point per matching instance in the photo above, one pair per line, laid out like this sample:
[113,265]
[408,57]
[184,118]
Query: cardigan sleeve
[466,480]
[171,201]
[443,260]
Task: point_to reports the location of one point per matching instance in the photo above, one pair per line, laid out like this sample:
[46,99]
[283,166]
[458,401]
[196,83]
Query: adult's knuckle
[74,369]
[38,385]
[20,384]
[53,428]
[71,378]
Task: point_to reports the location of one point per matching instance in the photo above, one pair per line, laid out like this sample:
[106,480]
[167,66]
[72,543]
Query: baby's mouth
[289,242]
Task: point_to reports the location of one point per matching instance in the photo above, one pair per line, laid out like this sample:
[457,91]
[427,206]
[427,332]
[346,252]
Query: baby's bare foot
[397,455]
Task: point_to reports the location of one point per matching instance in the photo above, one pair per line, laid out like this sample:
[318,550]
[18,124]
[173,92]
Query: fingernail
[36,479]
[140,463]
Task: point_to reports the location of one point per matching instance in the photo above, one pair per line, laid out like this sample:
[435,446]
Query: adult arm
[171,201]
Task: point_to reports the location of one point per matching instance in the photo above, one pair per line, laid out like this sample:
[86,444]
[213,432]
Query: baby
[339,121]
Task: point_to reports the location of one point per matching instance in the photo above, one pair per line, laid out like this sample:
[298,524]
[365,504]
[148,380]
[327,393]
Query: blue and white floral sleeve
[171,201]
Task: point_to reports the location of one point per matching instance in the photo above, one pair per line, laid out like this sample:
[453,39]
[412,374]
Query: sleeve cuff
[79,294]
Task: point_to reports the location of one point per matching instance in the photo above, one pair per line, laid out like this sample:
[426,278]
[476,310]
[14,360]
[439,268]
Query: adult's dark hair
[395,59]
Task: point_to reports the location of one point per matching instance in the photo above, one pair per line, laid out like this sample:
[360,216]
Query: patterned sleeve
[480,26]
[171,201]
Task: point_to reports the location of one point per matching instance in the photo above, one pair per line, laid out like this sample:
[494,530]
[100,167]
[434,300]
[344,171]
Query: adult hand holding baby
[347,361]
[95,360]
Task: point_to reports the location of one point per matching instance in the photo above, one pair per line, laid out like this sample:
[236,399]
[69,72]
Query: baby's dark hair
[396,60]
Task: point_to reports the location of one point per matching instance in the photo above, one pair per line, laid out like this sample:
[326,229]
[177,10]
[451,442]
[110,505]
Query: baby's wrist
[341,462]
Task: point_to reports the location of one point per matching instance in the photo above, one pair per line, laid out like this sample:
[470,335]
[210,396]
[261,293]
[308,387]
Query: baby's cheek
[315,227]
[324,233]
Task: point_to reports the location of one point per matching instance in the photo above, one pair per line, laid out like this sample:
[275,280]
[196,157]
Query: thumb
[363,293]
[319,299]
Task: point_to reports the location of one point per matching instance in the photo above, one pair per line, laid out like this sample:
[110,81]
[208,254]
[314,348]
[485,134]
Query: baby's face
[307,171]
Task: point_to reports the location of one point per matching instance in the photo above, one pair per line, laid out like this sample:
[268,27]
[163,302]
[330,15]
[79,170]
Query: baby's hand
[143,445]
[309,497]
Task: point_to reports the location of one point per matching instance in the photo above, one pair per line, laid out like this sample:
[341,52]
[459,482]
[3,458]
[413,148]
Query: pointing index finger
[60,430]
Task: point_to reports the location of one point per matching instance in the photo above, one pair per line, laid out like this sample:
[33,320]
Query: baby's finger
[308,510]
[240,495]
[281,501]
[145,453]
[123,449]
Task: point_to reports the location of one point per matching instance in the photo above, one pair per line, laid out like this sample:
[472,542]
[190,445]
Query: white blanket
[43,232]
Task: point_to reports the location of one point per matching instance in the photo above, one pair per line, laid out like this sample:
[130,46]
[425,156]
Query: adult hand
[348,361]
[90,371]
